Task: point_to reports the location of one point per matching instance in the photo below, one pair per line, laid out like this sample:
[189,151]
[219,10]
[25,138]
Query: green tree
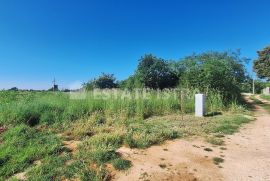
[155,73]
[131,82]
[14,89]
[224,72]
[262,65]
[104,81]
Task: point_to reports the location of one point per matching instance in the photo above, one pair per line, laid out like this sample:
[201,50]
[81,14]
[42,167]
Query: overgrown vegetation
[227,125]
[49,108]
[211,71]
[218,160]
[121,164]
[36,124]
[21,146]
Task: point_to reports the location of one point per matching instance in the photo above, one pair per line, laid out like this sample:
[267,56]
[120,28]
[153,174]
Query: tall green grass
[34,108]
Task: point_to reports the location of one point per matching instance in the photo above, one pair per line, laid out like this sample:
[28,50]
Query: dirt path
[247,157]
[248,154]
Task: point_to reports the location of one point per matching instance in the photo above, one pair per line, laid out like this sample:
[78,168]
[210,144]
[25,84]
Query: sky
[76,40]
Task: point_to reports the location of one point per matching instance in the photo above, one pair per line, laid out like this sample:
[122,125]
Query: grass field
[37,124]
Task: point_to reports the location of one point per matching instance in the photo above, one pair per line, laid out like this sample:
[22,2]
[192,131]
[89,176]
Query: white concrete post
[199,105]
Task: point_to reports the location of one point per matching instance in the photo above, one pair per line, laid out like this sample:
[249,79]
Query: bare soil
[71,145]
[246,156]
[175,160]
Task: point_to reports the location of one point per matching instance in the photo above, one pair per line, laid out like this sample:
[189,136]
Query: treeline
[219,71]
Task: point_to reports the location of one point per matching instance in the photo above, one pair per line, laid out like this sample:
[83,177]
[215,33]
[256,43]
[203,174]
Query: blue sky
[75,41]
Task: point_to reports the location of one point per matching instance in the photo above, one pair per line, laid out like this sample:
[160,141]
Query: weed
[100,148]
[162,166]
[121,164]
[143,134]
[218,160]
[227,125]
[208,149]
[215,141]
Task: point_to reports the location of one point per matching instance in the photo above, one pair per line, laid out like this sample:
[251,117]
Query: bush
[223,72]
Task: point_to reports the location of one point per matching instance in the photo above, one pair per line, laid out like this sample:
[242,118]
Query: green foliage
[132,82]
[155,73]
[103,125]
[104,81]
[143,134]
[100,148]
[218,160]
[262,64]
[227,125]
[223,72]
[50,108]
[259,85]
[34,109]
[50,169]
[121,164]
[56,168]
[9,97]
[14,89]
[104,122]
[21,146]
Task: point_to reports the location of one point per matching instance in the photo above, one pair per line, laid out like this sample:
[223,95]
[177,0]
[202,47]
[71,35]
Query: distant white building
[266,91]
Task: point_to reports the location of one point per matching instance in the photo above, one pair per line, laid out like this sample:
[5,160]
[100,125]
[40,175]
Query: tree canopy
[262,64]
[131,82]
[104,81]
[220,71]
[224,72]
[155,73]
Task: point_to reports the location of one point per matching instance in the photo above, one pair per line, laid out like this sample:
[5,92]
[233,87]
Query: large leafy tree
[224,72]
[104,81]
[155,73]
[262,64]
